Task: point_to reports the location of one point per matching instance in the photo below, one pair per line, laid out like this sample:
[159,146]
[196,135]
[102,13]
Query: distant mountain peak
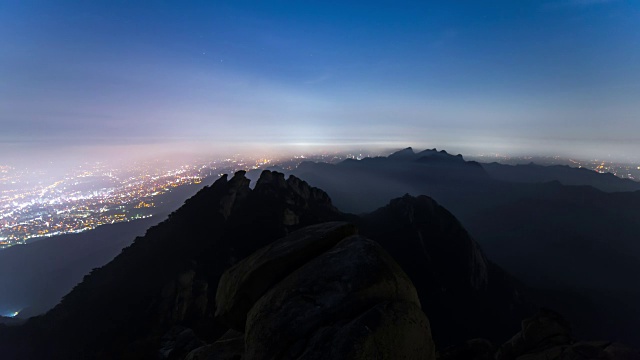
[434,155]
[427,155]
[403,154]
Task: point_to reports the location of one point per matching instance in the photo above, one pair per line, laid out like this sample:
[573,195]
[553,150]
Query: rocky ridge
[332,295]
[168,277]
[229,272]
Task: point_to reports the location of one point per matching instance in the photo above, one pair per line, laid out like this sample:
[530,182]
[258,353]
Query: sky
[125,79]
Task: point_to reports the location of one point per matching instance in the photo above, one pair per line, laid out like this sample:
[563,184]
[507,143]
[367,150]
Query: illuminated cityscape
[93,195]
[36,205]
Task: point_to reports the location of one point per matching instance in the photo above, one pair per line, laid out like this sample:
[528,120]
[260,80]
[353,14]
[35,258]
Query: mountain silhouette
[575,243]
[161,290]
[533,173]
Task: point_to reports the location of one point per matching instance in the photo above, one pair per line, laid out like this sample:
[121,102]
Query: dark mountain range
[158,295]
[533,173]
[570,242]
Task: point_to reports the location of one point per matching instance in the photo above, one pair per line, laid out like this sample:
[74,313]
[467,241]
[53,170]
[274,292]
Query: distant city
[35,205]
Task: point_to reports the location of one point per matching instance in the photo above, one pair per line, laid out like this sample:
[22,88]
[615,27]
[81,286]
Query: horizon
[253,178]
[111,193]
[106,81]
[53,166]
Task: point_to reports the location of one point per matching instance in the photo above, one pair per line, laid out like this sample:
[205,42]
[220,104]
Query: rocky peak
[323,293]
[292,200]
[165,282]
[439,156]
[270,179]
[403,154]
[237,189]
[438,235]
[455,281]
[273,184]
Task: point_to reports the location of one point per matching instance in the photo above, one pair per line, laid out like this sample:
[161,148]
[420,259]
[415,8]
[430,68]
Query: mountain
[49,269]
[461,290]
[533,173]
[364,185]
[574,243]
[34,277]
[361,304]
[159,295]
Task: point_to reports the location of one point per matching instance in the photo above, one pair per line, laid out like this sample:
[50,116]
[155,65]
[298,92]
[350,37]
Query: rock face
[308,286]
[229,347]
[547,336]
[525,223]
[243,284]
[451,255]
[168,277]
[461,291]
[330,296]
[545,330]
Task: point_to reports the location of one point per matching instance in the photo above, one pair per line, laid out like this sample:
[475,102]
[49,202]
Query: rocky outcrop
[448,252]
[461,291]
[547,336]
[329,296]
[243,284]
[405,154]
[168,277]
[545,330]
[183,297]
[228,347]
[391,330]
[308,287]
[237,190]
[178,342]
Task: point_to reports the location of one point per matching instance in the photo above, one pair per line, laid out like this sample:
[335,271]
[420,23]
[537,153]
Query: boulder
[390,330]
[229,347]
[243,284]
[177,342]
[621,352]
[237,190]
[546,330]
[333,291]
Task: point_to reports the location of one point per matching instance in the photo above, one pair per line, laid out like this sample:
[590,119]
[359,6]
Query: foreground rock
[167,279]
[318,293]
[229,347]
[341,297]
[242,285]
[547,336]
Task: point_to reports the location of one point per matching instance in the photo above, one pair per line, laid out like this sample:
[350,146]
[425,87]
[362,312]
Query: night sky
[128,78]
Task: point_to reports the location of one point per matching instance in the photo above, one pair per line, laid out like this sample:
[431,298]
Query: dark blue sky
[130,77]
